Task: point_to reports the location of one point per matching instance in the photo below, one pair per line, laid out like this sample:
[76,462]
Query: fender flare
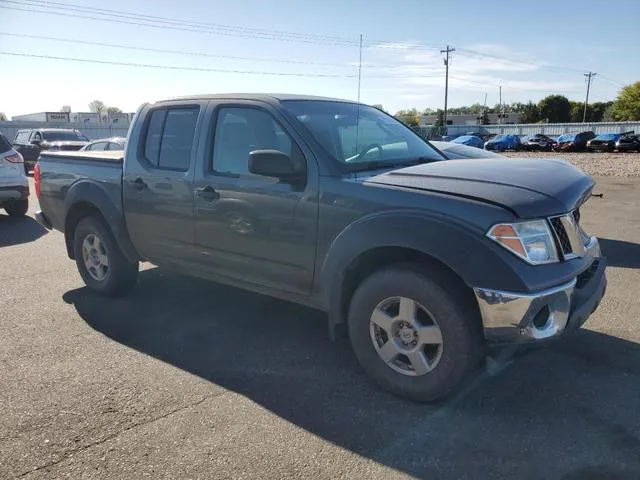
[92,193]
[455,244]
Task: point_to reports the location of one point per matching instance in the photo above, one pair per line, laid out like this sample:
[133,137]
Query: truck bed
[59,171]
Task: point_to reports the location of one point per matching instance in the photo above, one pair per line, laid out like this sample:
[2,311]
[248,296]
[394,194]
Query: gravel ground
[604,164]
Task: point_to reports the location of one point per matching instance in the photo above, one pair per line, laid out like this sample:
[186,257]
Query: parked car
[457,151]
[537,142]
[469,140]
[502,143]
[425,261]
[31,141]
[14,185]
[573,142]
[628,142]
[605,142]
[112,143]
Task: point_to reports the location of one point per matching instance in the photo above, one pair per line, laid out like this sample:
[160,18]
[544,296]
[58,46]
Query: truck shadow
[620,253]
[16,230]
[573,405]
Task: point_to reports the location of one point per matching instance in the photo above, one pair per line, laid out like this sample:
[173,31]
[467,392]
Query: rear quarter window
[169,138]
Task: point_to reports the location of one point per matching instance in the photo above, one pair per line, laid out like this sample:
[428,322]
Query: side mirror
[272,163]
[36,142]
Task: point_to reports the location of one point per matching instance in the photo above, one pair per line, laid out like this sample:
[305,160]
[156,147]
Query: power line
[229,29]
[171,67]
[177,52]
[485,84]
[128,18]
[611,80]
[476,54]
[174,27]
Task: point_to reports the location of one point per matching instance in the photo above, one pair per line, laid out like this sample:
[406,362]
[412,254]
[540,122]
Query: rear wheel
[100,262]
[412,335]
[17,208]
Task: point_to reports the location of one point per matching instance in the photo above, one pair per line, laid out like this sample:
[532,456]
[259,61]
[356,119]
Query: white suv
[14,185]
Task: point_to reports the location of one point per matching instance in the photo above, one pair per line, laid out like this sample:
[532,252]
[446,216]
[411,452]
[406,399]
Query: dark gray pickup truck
[424,261]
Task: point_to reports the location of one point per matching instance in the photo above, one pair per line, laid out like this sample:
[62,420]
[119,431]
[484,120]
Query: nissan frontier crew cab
[422,260]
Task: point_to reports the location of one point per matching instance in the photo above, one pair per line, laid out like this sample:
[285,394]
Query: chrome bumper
[513,317]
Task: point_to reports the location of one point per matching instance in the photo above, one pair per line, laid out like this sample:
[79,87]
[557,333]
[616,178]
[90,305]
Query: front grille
[585,276]
[561,235]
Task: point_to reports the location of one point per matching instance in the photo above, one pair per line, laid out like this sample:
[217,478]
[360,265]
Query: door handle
[207,193]
[138,184]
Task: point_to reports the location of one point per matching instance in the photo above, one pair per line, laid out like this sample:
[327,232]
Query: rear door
[158,183]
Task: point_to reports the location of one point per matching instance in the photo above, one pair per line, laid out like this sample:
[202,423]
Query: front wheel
[100,262]
[17,208]
[413,335]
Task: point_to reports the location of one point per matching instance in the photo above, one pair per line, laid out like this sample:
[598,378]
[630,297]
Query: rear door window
[97,146]
[169,138]
[22,138]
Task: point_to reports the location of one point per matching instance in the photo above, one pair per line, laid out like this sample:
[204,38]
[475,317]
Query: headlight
[532,241]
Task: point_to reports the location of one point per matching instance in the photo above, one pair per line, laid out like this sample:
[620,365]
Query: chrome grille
[568,234]
[561,236]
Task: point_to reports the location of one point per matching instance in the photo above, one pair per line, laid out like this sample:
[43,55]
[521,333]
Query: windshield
[569,137]
[608,136]
[64,136]
[360,136]
[499,138]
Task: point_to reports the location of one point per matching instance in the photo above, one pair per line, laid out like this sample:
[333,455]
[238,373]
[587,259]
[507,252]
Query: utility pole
[446,79]
[586,100]
[500,104]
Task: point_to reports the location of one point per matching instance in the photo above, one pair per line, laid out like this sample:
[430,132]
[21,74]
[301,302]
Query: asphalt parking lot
[189,379]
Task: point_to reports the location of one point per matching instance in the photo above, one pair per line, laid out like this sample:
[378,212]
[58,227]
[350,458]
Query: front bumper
[513,317]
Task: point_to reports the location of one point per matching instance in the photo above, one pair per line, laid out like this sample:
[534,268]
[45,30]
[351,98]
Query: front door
[158,185]
[248,227]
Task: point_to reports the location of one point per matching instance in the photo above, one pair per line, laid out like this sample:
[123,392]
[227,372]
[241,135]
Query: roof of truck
[263,97]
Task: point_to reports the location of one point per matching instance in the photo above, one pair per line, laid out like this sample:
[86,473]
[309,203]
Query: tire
[437,296]
[119,275]
[17,208]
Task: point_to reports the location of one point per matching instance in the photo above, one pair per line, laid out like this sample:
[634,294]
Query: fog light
[541,318]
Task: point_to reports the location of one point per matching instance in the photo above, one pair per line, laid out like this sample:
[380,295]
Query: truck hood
[530,188]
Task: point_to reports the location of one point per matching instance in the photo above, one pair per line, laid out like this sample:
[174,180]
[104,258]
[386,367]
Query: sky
[531,49]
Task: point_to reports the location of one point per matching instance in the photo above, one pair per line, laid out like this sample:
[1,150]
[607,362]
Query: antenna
[360,69]
[358,107]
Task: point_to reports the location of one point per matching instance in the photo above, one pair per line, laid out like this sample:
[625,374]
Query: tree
[3,117]
[410,117]
[576,112]
[485,118]
[529,113]
[555,109]
[626,108]
[65,108]
[97,106]
[113,110]
[596,111]
[439,118]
